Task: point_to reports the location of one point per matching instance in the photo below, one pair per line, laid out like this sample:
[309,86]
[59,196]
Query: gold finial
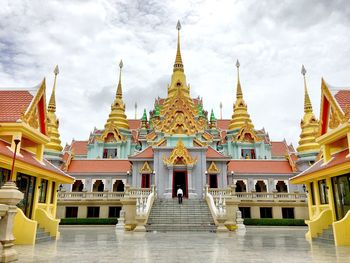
[178,25]
[307,101]
[56,70]
[239,93]
[119,89]
[178,59]
[52,102]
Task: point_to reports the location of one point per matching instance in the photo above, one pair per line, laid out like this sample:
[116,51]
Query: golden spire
[52,102]
[307,102]
[117,117]
[119,94]
[309,124]
[178,59]
[52,121]
[240,117]
[239,93]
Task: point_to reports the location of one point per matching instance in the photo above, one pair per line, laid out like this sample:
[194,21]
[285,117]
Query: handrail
[65,196]
[341,231]
[144,204]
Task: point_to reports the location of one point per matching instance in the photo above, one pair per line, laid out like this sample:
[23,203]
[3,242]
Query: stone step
[42,235]
[192,215]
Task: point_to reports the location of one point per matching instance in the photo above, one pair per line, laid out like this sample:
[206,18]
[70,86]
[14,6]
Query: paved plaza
[259,244]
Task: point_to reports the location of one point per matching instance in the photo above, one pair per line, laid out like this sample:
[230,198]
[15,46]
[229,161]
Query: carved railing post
[9,196]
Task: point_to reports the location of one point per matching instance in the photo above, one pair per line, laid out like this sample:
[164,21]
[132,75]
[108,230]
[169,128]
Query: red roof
[134,124]
[337,158]
[260,167]
[145,154]
[79,147]
[99,166]
[29,158]
[223,124]
[279,149]
[343,99]
[13,103]
[212,154]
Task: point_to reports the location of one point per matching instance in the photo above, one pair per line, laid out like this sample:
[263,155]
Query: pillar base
[9,254]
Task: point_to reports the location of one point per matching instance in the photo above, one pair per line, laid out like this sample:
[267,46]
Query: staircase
[192,215]
[326,236]
[42,236]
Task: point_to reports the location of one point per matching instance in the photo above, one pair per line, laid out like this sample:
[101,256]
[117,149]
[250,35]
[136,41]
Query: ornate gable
[35,114]
[179,117]
[213,169]
[246,134]
[111,134]
[146,169]
[331,113]
[179,156]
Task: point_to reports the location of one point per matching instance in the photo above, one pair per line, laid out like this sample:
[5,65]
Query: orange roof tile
[223,124]
[79,147]
[260,167]
[99,166]
[145,154]
[134,124]
[213,154]
[337,158]
[279,149]
[13,103]
[343,99]
[29,158]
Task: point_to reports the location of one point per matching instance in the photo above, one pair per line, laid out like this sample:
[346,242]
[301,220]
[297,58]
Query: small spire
[178,60]
[239,93]
[212,116]
[119,89]
[144,115]
[52,102]
[221,110]
[307,101]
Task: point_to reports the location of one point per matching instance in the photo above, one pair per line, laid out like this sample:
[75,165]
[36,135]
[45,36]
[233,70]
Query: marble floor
[259,244]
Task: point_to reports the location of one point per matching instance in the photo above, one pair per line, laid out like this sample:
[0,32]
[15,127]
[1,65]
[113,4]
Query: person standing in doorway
[180,193]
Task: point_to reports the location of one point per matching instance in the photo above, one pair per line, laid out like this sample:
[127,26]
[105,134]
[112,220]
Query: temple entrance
[180,180]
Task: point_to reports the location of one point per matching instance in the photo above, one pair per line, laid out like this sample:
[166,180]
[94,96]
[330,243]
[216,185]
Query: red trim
[145,180]
[325,115]
[41,111]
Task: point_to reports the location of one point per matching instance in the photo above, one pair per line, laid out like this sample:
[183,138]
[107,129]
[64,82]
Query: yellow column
[317,198]
[48,197]
[309,200]
[36,196]
[54,208]
[331,197]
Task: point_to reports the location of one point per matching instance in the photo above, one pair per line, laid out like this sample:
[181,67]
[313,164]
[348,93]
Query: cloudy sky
[88,38]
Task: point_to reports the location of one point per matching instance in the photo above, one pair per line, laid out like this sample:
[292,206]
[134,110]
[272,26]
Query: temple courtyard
[258,244]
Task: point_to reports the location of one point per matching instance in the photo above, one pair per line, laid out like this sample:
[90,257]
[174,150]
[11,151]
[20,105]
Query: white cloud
[88,38]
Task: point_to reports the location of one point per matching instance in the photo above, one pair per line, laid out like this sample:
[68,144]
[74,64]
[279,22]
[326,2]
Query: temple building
[328,179]
[179,144]
[24,133]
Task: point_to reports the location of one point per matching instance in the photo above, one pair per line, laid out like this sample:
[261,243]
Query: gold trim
[146,169]
[213,169]
[180,156]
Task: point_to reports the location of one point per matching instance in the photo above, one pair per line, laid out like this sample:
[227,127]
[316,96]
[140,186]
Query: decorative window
[110,153]
[248,154]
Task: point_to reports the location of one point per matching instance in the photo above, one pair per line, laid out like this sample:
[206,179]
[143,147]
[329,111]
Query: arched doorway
[98,186]
[281,187]
[260,186]
[78,186]
[241,186]
[118,186]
